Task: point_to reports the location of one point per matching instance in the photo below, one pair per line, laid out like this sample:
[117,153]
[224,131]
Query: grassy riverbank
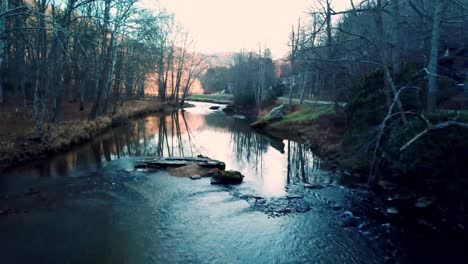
[228,99]
[19,141]
[430,175]
[317,125]
[349,144]
[212,98]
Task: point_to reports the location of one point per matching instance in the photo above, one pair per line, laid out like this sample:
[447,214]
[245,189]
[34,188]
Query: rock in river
[214,107]
[277,112]
[195,177]
[194,169]
[227,177]
[174,162]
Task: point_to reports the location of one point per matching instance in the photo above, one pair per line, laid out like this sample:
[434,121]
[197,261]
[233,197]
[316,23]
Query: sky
[232,25]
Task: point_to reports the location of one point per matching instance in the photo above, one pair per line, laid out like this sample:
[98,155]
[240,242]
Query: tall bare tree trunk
[40,89]
[383,57]
[332,80]
[2,43]
[396,52]
[304,85]
[434,58]
[291,87]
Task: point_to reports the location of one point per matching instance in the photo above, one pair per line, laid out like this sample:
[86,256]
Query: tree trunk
[2,44]
[383,56]
[291,86]
[332,80]
[397,38]
[434,58]
[304,85]
[82,95]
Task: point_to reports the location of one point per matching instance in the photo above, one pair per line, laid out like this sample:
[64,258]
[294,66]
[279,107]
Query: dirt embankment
[19,141]
[318,126]
[324,134]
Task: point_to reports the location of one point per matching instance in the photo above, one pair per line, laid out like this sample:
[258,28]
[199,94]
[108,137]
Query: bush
[278,89]
[367,106]
[244,97]
[438,153]
[269,98]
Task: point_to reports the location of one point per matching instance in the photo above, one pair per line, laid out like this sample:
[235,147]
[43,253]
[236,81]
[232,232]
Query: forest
[126,138]
[395,71]
[96,53]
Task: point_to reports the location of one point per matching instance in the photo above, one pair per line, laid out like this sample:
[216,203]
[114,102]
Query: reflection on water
[269,164]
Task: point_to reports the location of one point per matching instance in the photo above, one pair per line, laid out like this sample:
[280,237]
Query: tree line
[251,78]
[393,62]
[95,52]
[397,37]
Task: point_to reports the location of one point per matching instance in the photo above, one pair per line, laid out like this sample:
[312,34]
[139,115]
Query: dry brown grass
[18,136]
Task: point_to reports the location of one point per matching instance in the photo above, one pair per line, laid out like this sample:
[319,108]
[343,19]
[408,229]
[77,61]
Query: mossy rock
[227,177]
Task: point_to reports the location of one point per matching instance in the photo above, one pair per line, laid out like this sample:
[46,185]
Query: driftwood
[174,162]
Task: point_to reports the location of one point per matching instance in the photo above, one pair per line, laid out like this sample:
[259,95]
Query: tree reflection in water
[262,158]
[164,135]
[304,166]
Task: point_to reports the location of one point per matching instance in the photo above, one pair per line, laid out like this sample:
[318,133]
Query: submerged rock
[313,186]
[195,177]
[239,116]
[392,210]
[214,107]
[228,109]
[227,177]
[423,202]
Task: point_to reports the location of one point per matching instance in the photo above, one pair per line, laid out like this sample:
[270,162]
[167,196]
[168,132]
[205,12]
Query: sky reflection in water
[268,164]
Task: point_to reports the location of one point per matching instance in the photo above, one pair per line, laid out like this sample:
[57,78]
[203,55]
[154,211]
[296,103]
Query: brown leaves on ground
[19,139]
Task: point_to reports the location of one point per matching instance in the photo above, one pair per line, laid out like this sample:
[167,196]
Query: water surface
[89,205]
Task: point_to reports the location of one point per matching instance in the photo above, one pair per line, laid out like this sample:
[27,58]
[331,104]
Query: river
[89,205]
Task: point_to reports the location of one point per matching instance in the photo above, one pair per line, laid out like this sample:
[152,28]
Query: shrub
[268,98]
[438,153]
[367,106]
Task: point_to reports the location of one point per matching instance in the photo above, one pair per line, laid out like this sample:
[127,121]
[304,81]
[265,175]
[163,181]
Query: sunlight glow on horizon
[233,25]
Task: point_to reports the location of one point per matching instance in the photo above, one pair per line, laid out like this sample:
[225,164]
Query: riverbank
[212,98]
[411,187]
[316,125]
[20,143]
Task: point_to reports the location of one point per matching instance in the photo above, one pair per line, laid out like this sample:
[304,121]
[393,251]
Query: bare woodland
[403,40]
[97,53]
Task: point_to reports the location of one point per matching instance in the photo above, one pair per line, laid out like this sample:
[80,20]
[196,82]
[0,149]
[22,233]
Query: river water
[90,205]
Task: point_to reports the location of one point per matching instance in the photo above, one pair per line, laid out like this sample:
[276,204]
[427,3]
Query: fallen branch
[375,160]
[431,127]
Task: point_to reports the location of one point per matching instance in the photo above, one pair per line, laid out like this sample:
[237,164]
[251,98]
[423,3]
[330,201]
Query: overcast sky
[232,25]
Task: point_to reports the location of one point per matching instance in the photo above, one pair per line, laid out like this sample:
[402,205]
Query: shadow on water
[90,205]
[265,161]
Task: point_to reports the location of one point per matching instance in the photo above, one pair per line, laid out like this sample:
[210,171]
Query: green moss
[262,122]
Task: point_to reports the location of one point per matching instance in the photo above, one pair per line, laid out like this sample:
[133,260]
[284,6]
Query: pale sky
[232,25]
